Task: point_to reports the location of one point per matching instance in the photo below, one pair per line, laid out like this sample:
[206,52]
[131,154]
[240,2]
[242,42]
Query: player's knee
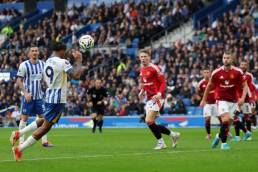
[207,121]
[149,122]
[24,119]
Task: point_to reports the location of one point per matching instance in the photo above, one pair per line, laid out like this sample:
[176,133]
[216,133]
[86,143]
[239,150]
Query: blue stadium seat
[135,42]
[131,52]
[190,110]
[198,111]
[187,101]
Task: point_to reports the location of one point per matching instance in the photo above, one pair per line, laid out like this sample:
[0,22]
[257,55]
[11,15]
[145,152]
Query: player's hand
[77,55]
[203,103]
[27,96]
[240,102]
[156,97]
[141,95]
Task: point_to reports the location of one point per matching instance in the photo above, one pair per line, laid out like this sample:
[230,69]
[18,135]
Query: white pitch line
[108,155]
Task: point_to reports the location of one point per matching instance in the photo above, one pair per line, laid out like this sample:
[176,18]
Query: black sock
[248,123]
[163,130]
[155,130]
[254,120]
[208,126]
[94,125]
[100,124]
[223,132]
[239,125]
[237,128]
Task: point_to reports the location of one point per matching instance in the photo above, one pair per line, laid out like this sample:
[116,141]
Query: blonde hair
[146,51]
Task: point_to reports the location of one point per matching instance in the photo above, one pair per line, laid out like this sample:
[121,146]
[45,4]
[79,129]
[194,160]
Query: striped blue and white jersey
[55,75]
[32,75]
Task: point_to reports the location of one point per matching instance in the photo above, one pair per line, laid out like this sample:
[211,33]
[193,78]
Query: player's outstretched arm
[22,88]
[245,90]
[76,72]
[206,92]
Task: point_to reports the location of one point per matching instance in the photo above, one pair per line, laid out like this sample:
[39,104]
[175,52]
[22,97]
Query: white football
[86,42]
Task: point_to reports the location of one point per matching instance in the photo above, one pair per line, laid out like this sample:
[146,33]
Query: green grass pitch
[128,150]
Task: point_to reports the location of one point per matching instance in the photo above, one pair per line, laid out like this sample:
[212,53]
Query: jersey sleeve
[22,70]
[199,89]
[161,79]
[67,66]
[213,78]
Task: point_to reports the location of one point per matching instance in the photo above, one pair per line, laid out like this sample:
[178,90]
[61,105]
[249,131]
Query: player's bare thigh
[151,116]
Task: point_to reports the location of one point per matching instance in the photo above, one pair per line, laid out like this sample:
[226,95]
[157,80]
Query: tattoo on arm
[76,71]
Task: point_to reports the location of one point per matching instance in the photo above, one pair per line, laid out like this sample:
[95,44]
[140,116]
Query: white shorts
[227,107]
[246,108]
[154,106]
[210,110]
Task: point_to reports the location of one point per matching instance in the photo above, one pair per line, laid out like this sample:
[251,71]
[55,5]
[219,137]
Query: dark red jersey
[153,81]
[227,83]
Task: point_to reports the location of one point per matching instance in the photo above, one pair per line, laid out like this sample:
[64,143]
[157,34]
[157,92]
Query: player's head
[33,52]
[98,83]
[227,58]
[244,65]
[206,72]
[145,57]
[58,48]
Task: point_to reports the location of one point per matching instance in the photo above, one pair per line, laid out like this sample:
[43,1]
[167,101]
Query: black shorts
[99,110]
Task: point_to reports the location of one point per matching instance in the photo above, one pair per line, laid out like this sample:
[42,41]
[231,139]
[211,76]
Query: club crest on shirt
[232,76]
[226,82]
[221,77]
[148,73]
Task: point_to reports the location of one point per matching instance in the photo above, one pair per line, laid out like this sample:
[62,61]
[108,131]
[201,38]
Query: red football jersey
[227,83]
[152,81]
[211,96]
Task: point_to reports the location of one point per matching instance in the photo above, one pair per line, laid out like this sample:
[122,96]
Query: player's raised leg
[56,79]
[20,133]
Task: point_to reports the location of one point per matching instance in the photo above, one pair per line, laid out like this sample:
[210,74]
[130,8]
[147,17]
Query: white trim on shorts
[154,106]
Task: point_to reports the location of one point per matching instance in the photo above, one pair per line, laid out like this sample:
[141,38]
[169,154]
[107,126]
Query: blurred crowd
[10,1]
[7,15]
[180,61]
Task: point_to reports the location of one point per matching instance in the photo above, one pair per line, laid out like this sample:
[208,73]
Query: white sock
[33,126]
[21,126]
[44,139]
[172,133]
[30,141]
[161,140]
[222,144]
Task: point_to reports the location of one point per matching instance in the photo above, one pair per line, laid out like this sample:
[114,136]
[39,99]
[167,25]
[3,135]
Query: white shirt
[55,75]
[32,75]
